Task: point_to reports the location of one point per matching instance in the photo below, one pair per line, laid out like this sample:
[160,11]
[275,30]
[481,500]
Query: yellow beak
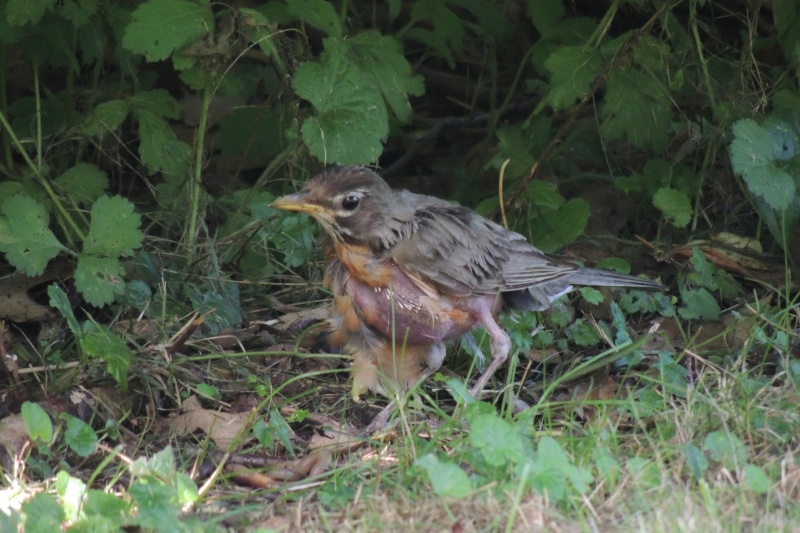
[296,202]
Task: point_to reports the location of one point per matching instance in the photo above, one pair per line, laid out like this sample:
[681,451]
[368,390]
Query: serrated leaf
[159,148]
[381,59]
[448,29]
[592,295]
[20,12]
[317,13]
[351,119]
[695,460]
[84,183]
[99,279]
[674,205]
[725,448]
[551,454]
[114,228]
[573,68]
[105,117]
[103,343]
[698,304]
[446,478]
[637,108]
[161,26]
[499,441]
[159,102]
[43,513]
[25,237]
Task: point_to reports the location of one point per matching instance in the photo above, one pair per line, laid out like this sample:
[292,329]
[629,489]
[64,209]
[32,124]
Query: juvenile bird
[420,271]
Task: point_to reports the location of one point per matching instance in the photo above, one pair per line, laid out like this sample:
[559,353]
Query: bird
[410,272]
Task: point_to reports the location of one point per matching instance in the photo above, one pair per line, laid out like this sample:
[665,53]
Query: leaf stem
[197,178]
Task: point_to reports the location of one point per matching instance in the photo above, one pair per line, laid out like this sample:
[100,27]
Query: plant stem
[197,177]
[700,55]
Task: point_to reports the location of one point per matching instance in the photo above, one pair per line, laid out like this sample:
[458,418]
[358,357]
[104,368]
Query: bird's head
[353,205]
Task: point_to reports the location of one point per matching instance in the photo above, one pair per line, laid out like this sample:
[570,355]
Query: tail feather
[608,278]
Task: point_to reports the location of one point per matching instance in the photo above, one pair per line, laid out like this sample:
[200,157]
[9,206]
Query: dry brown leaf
[221,427]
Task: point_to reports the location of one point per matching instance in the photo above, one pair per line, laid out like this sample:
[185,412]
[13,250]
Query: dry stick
[623,50]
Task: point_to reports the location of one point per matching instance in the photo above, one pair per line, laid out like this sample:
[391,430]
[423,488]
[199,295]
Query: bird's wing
[462,253]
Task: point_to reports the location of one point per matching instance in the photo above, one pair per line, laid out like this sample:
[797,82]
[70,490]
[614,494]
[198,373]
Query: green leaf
[448,29]
[499,441]
[106,117]
[573,68]
[114,229]
[84,183]
[317,13]
[37,422]
[583,333]
[752,157]
[159,102]
[98,503]
[704,274]
[636,107]
[446,478]
[21,12]
[725,448]
[674,205]
[60,301]
[545,14]
[79,436]
[99,279]
[550,453]
[25,237]
[161,26]
[157,504]
[159,148]
[42,513]
[161,464]
[103,343]
[698,304]
[756,479]
[695,460]
[592,295]
[561,226]
[351,119]
[380,58]
[72,492]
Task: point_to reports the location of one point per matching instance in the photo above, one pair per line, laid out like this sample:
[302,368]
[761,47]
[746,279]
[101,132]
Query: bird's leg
[500,344]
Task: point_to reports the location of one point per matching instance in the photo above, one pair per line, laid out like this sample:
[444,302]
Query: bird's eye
[350,202]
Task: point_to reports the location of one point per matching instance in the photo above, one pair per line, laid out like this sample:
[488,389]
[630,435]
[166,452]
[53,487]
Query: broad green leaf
[583,333]
[380,58]
[159,102]
[37,422]
[786,14]
[545,14]
[159,148]
[674,205]
[704,270]
[79,436]
[351,119]
[161,464]
[573,68]
[636,107]
[99,279]
[499,441]
[447,35]
[752,157]
[592,295]
[114,229]
[72,492]
[756,479]
[161,26]
[561,226]
[25,237]
[446,478]
[60,301]
[103,343]
[608,468]
[20,12]
[43,513]
[317,13]
[157,505]
[99,503]
[105,117]
[698,304]
[695,460]
[550,453]
[726,448]
[84,183]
